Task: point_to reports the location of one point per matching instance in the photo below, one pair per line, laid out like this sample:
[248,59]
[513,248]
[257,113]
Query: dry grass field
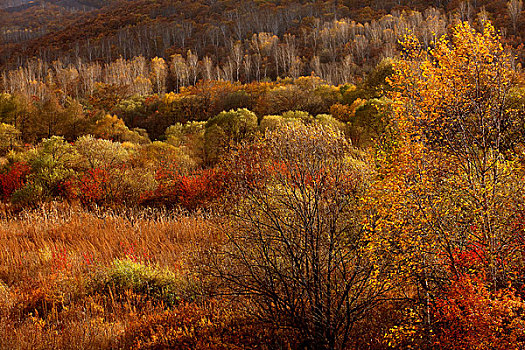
[77,279]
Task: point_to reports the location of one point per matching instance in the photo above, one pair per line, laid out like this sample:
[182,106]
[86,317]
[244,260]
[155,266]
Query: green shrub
[190,136]
[329,121]
[152,282]
[228,128]
[271,122]
[305,117]
[100,153]
[52,163]
[9,138]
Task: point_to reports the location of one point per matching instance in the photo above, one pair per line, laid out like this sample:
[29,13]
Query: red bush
[14,179]
[468,315]
[471,260]
[191,192]
[90,187]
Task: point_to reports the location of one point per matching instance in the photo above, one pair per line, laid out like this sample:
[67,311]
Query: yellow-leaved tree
[449,202]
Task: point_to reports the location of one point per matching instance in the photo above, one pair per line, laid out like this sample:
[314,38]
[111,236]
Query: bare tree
[159,72]
[180,71]
[247,67]
[296,245]
[193,66]
[208,68]
[237,58]
[514,8]
[465,11]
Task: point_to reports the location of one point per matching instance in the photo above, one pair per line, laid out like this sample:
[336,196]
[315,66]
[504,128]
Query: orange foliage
[469,316]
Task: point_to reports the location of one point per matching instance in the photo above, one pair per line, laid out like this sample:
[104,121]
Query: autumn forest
[262,174]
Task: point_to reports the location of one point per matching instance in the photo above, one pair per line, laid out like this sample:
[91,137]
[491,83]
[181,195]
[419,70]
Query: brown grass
[56,236]
[48,255]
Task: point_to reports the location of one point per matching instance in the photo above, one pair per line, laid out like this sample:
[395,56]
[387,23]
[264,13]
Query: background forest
[262,174]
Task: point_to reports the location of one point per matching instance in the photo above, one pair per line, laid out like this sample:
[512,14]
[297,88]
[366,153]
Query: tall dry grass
[35,243]
[50,255]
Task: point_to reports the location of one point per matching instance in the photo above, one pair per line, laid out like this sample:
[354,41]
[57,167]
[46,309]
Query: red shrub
[90,187]
[468,316]
[191,192]
[471,260]
[199,189]
[60,260]
[14,179]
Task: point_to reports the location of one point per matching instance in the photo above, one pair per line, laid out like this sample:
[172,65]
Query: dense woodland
[339,174]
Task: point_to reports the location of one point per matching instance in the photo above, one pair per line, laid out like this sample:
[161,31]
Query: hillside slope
[50,29]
